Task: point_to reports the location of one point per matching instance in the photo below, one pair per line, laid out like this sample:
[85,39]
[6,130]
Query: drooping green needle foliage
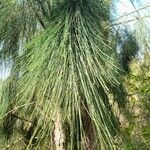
[66,69]
[63,64]
[17,24]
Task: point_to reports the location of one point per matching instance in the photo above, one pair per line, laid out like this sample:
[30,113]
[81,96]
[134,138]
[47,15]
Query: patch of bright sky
[136,20]
[4,72]
[125,7]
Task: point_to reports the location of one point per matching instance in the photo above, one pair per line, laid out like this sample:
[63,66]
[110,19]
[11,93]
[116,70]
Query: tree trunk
[59,137]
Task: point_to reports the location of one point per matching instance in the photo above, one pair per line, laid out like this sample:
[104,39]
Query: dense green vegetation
[70,86]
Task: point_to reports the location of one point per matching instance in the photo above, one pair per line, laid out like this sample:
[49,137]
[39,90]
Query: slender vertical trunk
[59,137]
